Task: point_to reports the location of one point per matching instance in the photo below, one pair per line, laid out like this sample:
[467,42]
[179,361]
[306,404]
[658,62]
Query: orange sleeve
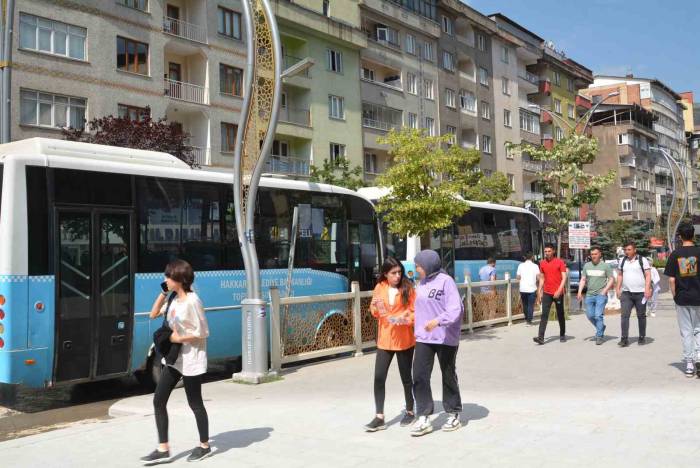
[375,294]
[410,314]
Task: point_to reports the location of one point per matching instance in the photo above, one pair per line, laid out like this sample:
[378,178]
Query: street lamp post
[262,82]
[679,187]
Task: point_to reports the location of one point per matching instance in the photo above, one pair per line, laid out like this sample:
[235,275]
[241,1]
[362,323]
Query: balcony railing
[290,60]
[628,162]
[183,29]
[202,155]
[287,165]
[532,196]
[529,77]
[295,116]
[186,91]
[378,124]
[532,166]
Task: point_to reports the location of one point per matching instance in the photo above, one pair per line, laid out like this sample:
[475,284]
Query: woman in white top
[189,327]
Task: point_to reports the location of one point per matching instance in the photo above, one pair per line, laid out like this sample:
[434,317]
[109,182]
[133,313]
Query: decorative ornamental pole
[256,132]
[679,199]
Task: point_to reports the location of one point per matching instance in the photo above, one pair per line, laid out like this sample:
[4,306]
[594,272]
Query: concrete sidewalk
[562,404]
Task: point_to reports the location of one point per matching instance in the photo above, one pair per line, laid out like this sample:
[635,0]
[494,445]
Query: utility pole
[8,9]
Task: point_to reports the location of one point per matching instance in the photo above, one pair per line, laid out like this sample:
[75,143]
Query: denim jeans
[528,301]
[595,309]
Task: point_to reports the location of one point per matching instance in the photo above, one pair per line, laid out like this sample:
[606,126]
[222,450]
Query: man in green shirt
[598,276]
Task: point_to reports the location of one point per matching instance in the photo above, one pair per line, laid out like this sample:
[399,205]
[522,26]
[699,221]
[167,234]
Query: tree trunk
[559,243]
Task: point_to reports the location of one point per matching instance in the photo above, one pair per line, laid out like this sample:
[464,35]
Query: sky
[650,38]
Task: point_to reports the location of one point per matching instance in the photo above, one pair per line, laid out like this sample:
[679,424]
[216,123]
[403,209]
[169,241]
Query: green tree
[566,186]
[615,233]
[337,172]
[429,182]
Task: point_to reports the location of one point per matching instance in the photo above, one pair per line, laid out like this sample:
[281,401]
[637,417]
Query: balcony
[545,87]
[378,124]
[546,118]
[582,103]
[290,61]
[547,141]
[532,196]
[628,184]
[295,116]
[380,117]
[628,162]
[186,91]
[185,30]
[532,166]
[381,75]
[202,155]
[287,165]
[529,81]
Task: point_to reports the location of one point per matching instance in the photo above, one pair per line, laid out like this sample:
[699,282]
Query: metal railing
[532,166]
[290,60]
[528,195]
[287,165]
[295,116]
[183,29]
[310,327]
[378,124]
[202,155]
[530,78]
[186,91]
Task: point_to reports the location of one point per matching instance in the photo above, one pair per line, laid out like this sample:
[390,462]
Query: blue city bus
[85,234]
[503,232]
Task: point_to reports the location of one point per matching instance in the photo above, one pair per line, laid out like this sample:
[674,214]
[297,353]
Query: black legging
[381,370]
[547,300]
[193,390]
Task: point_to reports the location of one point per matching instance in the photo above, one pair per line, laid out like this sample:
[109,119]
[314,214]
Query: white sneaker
[690,369]
[453,423]
[421,427]
[653,314]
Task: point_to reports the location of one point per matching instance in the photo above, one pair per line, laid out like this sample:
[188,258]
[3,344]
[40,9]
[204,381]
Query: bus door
[446,250]
[94,293]
[363,255]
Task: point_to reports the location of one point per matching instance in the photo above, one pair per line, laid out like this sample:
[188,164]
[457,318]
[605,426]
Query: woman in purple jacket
[437,327]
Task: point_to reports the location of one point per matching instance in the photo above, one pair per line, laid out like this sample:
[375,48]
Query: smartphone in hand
[164,287]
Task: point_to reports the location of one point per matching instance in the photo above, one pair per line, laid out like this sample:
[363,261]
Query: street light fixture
[677,175]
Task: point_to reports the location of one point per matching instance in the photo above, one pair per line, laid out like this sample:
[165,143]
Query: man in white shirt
[528,274]
[633,289]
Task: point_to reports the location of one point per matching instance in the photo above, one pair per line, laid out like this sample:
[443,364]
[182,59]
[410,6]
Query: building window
[367,74]
[505,54]
[485,110]
[430,126]
[334,61]
[509,152]
[529,122]
[452,132]
[570,111]
[557,78]
[505,85]
[467,101]
[558,134]
[485,144]
[447,25]
[327,8]
[483,76]
[134,113]
[136,4]
[557,106]
[570,85]
[626,205]
[411,44]
[506,118]
[388,35]
[623,139]
[336,107]
[228,137]
[229,23]
[280,148]
[381,117]
[412,83]
[636,141]
[230,80]
[370,163]
[428,89]
[481,42]
[645,143]
[428,51]
[51,110]
[511,181]
[337,152]
[132,56]
[52,37]
[448,61]
[412,120]
[450,98]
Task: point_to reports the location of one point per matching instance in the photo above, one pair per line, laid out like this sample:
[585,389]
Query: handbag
[161,338]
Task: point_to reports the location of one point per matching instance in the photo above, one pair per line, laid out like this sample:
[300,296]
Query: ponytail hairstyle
[405,286]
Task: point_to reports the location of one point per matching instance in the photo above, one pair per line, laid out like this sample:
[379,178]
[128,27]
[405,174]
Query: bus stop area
[562,404]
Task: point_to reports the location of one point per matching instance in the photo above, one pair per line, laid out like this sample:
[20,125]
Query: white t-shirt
[528,273]
[633,279]
[393,292]
[187,318]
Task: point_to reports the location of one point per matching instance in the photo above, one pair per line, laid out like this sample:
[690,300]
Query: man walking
[488,293]
[633,289]
[598,276]
[684,282]
[551,289]
[527,274]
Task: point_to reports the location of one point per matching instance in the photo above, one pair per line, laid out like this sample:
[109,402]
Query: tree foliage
[615,233]
[428,182]
[566,186]
[146,134]
[338,172]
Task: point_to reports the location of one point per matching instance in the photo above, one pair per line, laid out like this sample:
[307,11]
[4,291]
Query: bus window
[160,220]
[273,228]
[201,224]
[394,245]
[322,238]
[91,188]
[38,222]
[233,260]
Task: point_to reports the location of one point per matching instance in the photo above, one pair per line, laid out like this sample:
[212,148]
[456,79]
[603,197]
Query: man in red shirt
[551,289]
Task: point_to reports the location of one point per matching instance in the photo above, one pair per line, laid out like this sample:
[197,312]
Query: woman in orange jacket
[392,306]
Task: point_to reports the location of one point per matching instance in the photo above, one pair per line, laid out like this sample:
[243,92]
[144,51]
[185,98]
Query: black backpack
[641,263]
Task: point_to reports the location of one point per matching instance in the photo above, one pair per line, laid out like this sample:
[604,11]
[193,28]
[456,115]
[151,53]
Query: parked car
[574,274]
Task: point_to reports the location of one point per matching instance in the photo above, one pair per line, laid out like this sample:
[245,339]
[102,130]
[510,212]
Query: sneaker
[199,453]
[599,340]
[690,369]
[156,457]
[642,340]
[653,314]
[421,427]
[377,424]
[453,423]
[624,342]
[407,419]
[562,339]
[538,340]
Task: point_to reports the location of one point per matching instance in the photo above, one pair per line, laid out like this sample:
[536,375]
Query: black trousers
[547,300]
[423,368]
[628,300]
[381,370]
[193,390]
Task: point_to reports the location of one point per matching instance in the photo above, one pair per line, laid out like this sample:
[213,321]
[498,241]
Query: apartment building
[184,60]
[398,75]
[663,103]
[691,120]
[625,133]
